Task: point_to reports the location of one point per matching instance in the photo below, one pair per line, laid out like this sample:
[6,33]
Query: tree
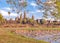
[49,8]
[32,20]
[1,18]
[43,21]
[9,13]
[17,5]
[58,8]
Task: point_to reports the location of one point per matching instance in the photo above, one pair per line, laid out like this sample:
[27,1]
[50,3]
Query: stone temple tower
[24,15]
[32,17]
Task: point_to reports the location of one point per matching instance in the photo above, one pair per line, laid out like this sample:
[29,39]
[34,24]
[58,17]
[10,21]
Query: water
[52,36]
[49,38]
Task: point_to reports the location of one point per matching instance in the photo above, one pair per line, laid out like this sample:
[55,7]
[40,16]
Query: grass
[7,37]
[17,39]
[33,28]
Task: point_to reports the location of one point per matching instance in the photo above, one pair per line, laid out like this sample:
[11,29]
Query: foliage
[42,21]
[58,8]
[49,8]
[9,13]
[1,18]
[31,21]
[17,5]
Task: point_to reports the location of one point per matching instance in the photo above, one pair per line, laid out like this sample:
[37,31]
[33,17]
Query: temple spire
[24,15]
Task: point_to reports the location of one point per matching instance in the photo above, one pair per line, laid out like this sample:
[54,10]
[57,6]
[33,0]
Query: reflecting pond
[52,36]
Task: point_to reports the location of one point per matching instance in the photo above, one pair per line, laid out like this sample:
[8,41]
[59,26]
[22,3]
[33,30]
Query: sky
[32,7]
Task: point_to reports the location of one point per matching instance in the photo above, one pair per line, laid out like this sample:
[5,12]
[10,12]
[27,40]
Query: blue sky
[32,7]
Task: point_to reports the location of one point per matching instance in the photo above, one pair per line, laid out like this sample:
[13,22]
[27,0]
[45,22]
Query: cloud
[32,12]
[6,9]
[33,4]
[39,10]
[6,15]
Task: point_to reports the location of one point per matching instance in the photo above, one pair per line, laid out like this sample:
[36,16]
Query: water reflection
[49,36]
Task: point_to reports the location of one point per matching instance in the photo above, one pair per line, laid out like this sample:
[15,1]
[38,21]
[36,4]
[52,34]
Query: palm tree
[9,14]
